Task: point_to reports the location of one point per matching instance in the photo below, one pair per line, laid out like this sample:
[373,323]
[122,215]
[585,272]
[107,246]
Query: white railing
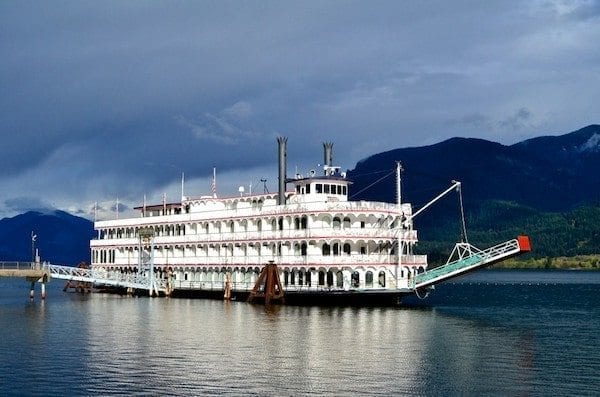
[298,234]
[283,260]
[20,266]
[265,210]
[100,277]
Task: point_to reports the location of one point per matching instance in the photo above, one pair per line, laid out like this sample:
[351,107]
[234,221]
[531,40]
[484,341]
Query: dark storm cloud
[112,98]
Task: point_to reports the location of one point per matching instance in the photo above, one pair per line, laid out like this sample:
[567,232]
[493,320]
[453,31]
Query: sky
[105,102]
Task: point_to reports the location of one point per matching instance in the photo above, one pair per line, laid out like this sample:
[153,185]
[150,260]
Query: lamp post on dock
[33,238]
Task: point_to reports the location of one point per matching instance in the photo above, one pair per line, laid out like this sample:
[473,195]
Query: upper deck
[255,206]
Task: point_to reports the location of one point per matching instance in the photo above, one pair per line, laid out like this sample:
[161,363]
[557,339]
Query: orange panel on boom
[524,243]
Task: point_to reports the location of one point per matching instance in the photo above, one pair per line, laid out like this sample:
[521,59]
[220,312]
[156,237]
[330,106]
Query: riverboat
[325,247]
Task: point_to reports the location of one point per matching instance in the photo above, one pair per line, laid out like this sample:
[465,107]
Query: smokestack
[328,157]
[281,144]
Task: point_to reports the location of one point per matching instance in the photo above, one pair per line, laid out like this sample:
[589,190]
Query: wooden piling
[268,286]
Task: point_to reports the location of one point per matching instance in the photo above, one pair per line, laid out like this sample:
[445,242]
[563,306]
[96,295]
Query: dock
[34,272]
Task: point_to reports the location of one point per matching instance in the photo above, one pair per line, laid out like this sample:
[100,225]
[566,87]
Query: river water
[494,332]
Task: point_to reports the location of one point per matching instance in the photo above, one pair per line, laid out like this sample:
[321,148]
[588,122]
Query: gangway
[102,278]
[466,258]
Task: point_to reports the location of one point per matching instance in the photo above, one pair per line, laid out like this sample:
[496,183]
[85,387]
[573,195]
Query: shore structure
[324,247]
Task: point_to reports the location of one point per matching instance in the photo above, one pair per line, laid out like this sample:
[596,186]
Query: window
[337,223]
[355,280]
[321,277]
[339,280]
[363,250]
[326,249]
[347,223]
[369,279]
[307,189]
[318,188]
[303,249]
[303,222]
[344,192]
[330,278]
[336,249]
[347,249]
[326,189]
[381,279]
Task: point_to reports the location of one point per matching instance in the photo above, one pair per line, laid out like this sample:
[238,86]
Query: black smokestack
[282,144]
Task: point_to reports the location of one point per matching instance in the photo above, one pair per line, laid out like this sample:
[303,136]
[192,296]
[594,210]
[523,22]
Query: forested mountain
[546,187]
[60,237]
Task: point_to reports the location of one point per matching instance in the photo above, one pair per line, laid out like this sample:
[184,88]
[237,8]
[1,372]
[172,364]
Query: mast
[399,235]
[399,170]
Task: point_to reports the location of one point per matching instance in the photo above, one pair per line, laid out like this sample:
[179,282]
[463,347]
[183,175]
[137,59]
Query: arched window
[369,279]
[346,223]
[303,222]
[339,280]
[337,222]
[347,248]
[355,280]
[321,277]
[330,278]
[286,277]
[381,279]
[303,249]
[326,249]
[336,249]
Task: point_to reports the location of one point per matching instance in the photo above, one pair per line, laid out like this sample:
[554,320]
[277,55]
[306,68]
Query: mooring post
[32,290]
[43,290]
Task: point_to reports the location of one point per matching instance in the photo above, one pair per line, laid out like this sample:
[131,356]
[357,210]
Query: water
[495,332]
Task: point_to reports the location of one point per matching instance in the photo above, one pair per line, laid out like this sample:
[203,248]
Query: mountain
[61,237]
[552,173]
[547,187]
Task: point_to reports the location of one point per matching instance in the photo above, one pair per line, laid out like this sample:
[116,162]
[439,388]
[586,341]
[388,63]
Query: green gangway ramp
[470,259]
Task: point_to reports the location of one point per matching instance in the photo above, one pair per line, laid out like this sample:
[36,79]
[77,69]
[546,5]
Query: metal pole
[455,184]
[399,183]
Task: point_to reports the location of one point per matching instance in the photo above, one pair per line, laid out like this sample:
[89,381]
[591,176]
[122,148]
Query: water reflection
[196,346]
[501,339]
